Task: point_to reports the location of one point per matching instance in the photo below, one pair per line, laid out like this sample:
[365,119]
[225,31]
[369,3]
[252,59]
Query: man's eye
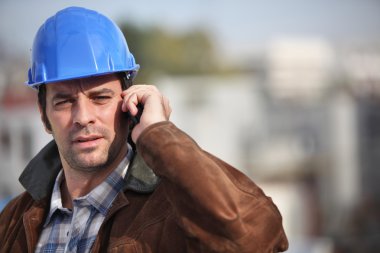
[101,99]
[62,102]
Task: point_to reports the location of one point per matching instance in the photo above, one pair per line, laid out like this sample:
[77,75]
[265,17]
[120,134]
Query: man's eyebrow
[101,92]
[62,96]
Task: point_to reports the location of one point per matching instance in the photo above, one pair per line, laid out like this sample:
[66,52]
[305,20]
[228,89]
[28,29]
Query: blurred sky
[238,26]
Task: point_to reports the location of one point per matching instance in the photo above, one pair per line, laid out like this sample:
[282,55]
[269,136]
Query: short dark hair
[124,78]
[42,104]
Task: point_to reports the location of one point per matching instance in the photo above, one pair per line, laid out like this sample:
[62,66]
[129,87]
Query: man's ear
[44,119]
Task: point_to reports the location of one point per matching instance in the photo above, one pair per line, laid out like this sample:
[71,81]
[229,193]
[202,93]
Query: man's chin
[88,164]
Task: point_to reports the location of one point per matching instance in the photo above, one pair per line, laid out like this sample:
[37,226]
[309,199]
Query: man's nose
[83,112]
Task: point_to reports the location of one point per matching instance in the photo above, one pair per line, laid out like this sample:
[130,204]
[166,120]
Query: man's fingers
[137,94]
[156,106]
[130,104]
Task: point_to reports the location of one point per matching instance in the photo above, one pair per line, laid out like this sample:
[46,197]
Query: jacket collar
[39,175]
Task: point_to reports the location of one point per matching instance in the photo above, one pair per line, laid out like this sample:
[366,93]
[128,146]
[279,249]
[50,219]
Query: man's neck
[76,185]
[79,183]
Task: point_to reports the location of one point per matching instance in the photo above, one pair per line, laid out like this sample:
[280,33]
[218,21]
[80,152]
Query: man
[91,191]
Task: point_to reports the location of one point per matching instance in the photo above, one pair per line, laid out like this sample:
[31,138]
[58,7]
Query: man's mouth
[85,139]
[90,141]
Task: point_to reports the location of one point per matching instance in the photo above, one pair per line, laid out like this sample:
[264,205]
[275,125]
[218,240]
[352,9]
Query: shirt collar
[101,197]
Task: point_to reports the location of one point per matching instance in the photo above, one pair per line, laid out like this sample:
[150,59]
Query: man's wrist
[148,129]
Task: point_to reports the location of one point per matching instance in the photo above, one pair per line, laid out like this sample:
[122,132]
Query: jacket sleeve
[12,230]
[218,207]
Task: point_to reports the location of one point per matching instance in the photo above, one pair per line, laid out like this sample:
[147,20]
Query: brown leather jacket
[190,202]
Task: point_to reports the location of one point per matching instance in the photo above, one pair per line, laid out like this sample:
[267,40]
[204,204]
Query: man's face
[87,122]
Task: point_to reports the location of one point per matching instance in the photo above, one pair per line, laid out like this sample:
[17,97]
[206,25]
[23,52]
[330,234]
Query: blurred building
[360,67]
[21,135]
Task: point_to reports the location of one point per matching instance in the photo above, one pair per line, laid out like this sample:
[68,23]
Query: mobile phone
[136,119]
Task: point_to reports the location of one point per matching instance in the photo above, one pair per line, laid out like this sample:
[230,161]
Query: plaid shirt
[75,230]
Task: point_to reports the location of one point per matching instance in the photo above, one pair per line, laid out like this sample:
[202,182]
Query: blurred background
[286,91]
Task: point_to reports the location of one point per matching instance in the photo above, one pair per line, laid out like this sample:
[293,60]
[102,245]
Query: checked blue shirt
[75,230]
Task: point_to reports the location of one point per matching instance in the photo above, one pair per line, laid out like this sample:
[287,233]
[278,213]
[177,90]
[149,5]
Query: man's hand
[156,106]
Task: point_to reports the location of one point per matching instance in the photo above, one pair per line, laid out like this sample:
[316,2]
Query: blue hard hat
[75,43]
